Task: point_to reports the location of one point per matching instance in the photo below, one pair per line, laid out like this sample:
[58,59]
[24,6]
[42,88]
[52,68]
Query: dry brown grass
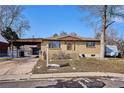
[5,59]
[84,65]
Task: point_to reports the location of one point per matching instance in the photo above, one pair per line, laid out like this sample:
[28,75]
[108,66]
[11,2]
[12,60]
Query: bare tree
[106,15]
[112,36]
[97,35]
[63,33]
[55,35]
[11,17]
[103,31]
[73,34]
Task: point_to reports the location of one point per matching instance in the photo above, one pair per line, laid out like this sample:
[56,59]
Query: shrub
[61,55]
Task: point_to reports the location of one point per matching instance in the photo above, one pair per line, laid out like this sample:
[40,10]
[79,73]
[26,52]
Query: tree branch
[109,24]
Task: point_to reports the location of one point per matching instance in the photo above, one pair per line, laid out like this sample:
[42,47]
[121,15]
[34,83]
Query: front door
[69,45]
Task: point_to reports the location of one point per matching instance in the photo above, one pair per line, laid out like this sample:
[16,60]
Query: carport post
[12,55]
[47,57]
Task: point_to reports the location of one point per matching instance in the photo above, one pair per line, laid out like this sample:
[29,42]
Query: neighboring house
[73,45]
[3,46]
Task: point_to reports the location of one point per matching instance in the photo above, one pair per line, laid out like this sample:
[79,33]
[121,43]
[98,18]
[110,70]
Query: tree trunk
[102,54]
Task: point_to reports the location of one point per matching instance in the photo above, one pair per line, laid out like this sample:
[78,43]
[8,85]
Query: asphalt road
[85,82]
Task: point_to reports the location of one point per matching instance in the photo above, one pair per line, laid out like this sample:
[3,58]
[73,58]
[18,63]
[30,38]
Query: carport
[20,43]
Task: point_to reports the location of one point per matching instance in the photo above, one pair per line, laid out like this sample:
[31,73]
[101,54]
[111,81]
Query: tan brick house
[72,45]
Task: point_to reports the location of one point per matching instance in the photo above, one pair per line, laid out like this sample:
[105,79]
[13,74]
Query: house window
[90,44]
[54,44]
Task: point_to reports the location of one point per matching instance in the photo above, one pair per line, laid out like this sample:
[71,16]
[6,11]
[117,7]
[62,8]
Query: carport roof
[27,41]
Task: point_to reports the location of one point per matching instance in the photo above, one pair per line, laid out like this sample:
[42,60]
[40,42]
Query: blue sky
[47,20]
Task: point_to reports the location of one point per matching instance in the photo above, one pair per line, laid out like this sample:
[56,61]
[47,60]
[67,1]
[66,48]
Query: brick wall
[77,48]
[3,49]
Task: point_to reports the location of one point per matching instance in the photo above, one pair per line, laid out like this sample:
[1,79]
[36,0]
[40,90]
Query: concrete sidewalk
[58,75]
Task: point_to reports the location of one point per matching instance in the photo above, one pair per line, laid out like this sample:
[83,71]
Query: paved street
[16,74]
[85,82]
[17,66]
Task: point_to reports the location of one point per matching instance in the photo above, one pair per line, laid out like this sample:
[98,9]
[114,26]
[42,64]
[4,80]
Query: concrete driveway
[17,66]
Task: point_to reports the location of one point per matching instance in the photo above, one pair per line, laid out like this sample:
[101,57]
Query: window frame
[52,45]
[90,44]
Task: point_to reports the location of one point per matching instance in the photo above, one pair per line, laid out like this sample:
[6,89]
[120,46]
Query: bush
[61,55]
[64,65]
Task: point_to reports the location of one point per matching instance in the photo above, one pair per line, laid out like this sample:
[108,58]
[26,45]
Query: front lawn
[82,65]
[5,59]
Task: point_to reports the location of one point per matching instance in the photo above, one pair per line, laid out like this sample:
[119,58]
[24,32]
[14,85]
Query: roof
[58,38]
[70,37]
[27,41]
[2,39]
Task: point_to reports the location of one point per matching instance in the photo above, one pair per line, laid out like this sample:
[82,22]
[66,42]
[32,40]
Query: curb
[24,77]
[76,74]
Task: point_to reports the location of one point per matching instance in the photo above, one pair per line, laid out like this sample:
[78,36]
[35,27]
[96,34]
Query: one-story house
[69,45]
[74,46]
[3,46]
